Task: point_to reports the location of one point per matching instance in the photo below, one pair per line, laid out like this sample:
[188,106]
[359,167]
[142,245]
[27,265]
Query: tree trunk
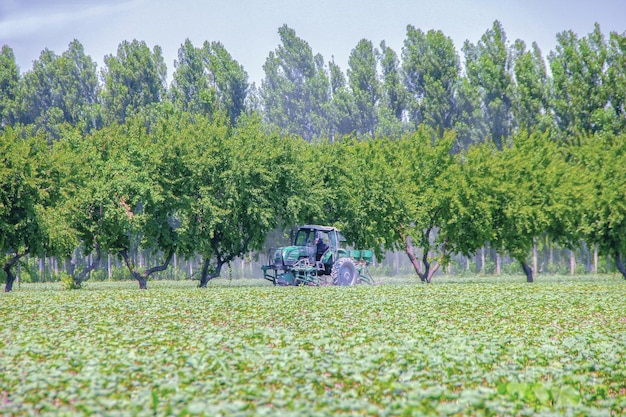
[620,264]
[143,281]
[205,276]
[83,276]
[483,260]
[535,256]
[8,287]
[551,258]
[7,268]
[429,270]
[42,269]
[397,263]
[142,278]
[572,263]
[528,271]
[414,261]
[498,264]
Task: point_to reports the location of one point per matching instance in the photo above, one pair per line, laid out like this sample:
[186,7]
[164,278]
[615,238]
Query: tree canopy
[424,151]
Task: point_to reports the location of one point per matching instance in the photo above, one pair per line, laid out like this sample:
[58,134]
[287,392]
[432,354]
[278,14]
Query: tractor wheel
[344,272]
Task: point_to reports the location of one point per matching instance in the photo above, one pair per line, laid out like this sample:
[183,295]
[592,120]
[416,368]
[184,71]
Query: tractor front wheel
[344,272]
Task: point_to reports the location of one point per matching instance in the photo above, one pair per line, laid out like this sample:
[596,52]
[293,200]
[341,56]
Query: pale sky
[249,29]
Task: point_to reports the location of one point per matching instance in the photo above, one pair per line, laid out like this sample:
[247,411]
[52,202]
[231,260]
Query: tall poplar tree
[342,109]
[488,67]
[431,69]
[531,104]
[296,88]
[616,80]
[207,80]
[133,79]
[227,77]
[365,86]
[9,85]
[61,89]
[393,94]
[579,94]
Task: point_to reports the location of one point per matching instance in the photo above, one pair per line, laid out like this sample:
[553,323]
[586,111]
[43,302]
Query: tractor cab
[322,242]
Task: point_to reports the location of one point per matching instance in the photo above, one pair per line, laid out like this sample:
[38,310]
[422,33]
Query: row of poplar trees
[412,151]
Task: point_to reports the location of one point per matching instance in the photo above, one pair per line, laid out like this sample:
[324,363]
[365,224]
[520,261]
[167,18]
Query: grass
[460,346]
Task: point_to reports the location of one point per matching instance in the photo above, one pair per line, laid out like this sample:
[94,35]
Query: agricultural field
[471,346]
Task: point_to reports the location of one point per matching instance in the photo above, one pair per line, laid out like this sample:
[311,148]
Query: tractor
[316,256]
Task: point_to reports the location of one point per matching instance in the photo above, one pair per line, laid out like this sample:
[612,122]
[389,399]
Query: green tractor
[316,257]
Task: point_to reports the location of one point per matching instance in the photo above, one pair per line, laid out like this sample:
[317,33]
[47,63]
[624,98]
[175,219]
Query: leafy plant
[457,347]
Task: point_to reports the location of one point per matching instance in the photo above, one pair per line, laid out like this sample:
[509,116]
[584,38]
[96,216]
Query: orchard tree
[528,192]
[367,194]
[445,216]
[602,213]
[32,217]
[124,205]
[409,194]
[235,184]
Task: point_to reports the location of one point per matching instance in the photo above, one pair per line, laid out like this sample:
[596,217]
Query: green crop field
[475,346]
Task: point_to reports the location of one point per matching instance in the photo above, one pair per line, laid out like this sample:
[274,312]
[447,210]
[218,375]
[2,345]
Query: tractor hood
[288,255]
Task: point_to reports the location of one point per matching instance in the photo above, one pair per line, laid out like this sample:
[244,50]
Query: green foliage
[580,93]
[468,347]
[60,89]
[32,214]
[531,104]
[365,87]
[524,192]
[393,92]
[602,211]
[9,84]
[295,89]
[133,78]
[68,283]
[208,80]
[392,194]
[616,83]
[488,67]
[431,67]
[202,175]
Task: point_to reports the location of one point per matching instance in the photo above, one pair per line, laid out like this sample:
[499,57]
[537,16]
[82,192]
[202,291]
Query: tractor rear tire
[344,272]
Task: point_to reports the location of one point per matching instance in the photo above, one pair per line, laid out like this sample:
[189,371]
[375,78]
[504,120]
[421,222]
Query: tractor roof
[317,227]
